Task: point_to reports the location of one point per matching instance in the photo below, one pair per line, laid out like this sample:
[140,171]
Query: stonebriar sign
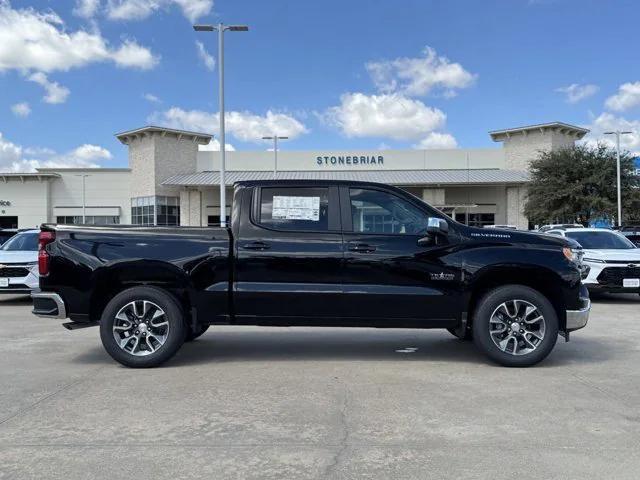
[361,160]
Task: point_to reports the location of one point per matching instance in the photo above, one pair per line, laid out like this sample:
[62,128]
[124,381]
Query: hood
[18,256]
[517,236]
[632,255]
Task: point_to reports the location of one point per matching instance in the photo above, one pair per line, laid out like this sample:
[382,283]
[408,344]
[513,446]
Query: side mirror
[435,226]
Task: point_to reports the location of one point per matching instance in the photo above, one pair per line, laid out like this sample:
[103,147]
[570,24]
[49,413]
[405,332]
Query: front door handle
[257,246]
[362,247]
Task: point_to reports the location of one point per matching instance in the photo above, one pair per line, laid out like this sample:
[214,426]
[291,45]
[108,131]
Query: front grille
[14,272]
[614,276]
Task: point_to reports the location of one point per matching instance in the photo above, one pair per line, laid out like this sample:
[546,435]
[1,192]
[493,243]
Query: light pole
[617,133]
[275,139]
[221,28]
[84,191]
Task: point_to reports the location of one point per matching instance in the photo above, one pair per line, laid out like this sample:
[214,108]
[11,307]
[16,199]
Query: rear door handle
[257,246]
[361,248]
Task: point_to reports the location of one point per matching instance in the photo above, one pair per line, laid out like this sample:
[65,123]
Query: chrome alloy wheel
[140,327]
[517,327]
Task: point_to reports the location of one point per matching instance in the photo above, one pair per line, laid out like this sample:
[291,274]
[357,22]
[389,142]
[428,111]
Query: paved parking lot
[244,403]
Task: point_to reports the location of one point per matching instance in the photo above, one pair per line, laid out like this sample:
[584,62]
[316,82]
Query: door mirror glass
[437,226]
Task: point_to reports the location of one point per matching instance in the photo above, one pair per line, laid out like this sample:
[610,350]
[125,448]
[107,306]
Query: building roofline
[82,169]
[6,176]
[573,130]
[150,130]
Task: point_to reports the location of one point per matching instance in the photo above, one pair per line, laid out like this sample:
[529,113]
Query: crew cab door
[289,254]
[388,273]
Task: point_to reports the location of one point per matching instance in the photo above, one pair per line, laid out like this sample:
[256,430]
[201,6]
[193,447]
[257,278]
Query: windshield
[601,240]
[21,241]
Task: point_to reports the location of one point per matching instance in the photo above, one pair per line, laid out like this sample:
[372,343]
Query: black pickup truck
[313,253]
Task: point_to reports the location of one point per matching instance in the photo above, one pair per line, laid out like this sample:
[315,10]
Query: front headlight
[573,255]
[33,268]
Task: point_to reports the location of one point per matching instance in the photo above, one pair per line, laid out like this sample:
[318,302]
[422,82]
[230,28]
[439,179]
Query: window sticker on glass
[296,208]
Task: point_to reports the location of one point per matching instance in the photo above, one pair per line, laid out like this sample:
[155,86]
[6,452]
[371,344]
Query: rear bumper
[48,305]
[577,319]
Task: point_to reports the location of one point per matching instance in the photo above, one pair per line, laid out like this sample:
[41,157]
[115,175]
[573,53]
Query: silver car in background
[19,263]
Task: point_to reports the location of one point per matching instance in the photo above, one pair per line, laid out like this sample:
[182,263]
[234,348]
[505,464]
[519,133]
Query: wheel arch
[108,282]
[539,278]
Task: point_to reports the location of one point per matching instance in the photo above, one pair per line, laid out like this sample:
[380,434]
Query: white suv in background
[19,263]
[614,260]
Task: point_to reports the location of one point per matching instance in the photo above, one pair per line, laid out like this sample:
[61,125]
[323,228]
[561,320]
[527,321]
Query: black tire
[490,303]
[193,334]
[175,333]
[467,336]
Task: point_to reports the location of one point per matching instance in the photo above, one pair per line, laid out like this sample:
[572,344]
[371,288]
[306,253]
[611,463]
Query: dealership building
[171,181]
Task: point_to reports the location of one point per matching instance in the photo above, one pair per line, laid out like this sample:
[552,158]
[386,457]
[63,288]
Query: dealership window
[155,210]
[373,211]
[214,220]
[477,219]
[295,208]
[89,220]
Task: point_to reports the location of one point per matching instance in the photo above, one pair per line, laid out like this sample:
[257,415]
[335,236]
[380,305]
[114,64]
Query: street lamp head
[267,138]
[283,138]
[618,132]
[237,28]
[204,28]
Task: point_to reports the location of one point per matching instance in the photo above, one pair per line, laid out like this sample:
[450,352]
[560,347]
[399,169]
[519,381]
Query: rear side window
[295,208]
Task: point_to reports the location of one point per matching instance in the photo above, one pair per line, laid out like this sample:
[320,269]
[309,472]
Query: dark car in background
[632,232]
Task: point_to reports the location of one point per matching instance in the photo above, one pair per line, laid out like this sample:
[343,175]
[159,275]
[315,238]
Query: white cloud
[150,97]
[194,9]
[13,157]
[132,55]
[54,92]
[419,76]
[205,56]
[628,96]
[86,8]
[244,126]
[391,116]
[21,109]
[141,9]
[607,122]
[576,92]
[32,40]
[436,140]
[88,152]
[214,146]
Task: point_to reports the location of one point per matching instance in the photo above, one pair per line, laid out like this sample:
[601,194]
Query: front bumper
[22,284]
[577,319]
[48,305]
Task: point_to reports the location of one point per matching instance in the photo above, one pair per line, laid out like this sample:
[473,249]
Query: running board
[77,325]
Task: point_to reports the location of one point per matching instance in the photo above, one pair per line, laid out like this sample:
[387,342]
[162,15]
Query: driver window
[373,211]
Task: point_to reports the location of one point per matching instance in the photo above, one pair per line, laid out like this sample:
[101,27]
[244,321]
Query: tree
[580,182]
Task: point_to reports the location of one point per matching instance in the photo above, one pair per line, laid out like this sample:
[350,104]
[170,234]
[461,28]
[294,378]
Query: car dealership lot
[251,402]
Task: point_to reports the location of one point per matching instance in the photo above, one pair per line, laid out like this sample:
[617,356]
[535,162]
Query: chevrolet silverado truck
[313,253]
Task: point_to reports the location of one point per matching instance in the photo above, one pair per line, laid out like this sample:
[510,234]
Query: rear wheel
[142,327]
[515,326]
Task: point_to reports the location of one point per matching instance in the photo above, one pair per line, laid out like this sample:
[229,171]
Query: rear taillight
[44,239]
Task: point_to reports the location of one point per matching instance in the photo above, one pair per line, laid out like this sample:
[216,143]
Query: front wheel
[516,326]
[142,327]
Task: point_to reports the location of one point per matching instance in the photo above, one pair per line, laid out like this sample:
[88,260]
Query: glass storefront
[155,210]
[89,220]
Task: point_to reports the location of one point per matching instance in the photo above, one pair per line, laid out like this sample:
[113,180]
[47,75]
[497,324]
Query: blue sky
[333,74]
